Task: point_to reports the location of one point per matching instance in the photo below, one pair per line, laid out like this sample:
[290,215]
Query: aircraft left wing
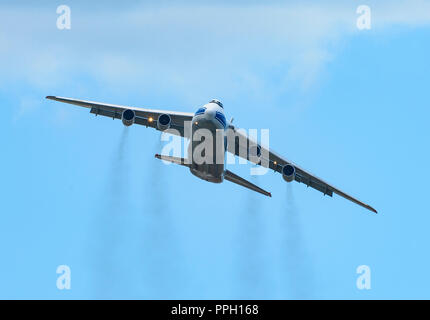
[146,117]
[241,147]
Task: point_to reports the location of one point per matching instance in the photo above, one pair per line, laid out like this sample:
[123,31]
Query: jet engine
[128,117]
[164,122]
[288,172]
[255,151]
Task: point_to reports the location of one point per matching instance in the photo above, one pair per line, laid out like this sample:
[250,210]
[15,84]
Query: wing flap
[118,115]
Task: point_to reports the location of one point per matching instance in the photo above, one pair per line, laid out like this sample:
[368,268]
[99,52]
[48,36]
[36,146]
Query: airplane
[211,117]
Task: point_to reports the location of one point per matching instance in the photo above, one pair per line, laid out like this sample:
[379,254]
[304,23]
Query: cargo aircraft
[211,118]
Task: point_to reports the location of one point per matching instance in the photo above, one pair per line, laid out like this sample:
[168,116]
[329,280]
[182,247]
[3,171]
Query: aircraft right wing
[268,158]
[146,117]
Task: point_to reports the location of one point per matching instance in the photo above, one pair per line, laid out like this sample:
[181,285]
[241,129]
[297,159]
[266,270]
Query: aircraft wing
[241,147]
[146,117]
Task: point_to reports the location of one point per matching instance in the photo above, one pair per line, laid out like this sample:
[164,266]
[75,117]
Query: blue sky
[351,106]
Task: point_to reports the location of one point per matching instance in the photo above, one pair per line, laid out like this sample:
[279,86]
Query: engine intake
[128,117]
[164,122]
[255,151]
[288,172]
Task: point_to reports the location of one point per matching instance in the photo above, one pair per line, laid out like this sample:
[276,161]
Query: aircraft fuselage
[209,122]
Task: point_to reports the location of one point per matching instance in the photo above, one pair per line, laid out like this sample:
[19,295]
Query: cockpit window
[200,111]
[217,102]
[221,118]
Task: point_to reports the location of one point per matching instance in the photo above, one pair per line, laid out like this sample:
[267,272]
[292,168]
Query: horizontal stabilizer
[177,160]
[230,176]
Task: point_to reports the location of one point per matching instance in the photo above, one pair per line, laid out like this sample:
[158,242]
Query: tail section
[230,176]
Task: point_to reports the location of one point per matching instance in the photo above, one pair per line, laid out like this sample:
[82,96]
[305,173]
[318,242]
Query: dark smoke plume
[110,225]
[296,268]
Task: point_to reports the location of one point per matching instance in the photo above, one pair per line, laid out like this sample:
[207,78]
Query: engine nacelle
[164,122]
[128,117]
[255,151]
[288,172]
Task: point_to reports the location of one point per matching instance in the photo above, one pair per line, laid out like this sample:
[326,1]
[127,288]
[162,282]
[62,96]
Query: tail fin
[230,176]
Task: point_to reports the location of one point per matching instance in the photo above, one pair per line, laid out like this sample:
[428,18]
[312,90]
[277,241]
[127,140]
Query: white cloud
[415,13]
[189,48]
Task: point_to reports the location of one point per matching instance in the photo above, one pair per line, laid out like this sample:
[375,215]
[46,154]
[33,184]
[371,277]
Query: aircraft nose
[210,114]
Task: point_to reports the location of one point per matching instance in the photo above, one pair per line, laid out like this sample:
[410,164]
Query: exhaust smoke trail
[110,223]
[296,265]
[159,242]
[252,276]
